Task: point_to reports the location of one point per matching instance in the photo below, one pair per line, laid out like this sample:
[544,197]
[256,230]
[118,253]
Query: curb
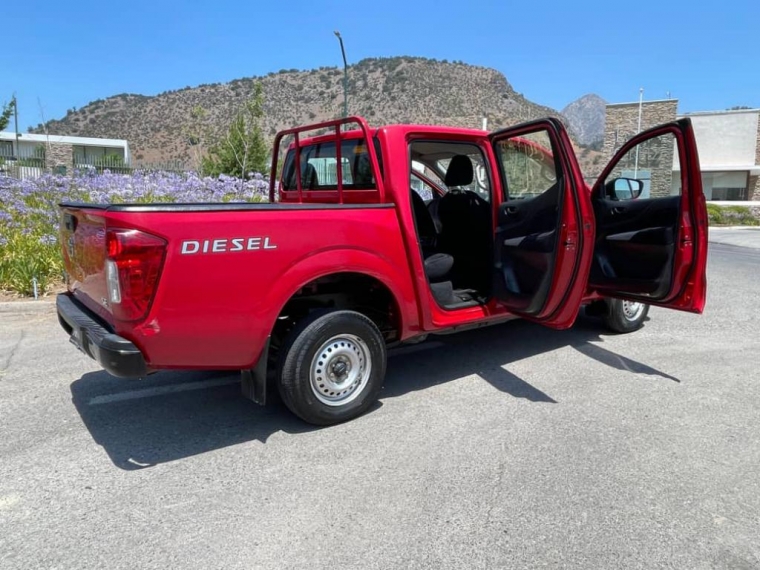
[749,228]
[43,305]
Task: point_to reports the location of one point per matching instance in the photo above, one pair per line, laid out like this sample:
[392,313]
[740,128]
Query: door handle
[618,210]
[510,210]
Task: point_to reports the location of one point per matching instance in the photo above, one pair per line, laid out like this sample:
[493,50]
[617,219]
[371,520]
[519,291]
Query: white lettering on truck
[222,245]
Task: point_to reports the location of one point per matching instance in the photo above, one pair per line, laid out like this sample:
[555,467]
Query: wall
[59,156]
[621,121]
[655,157]
[754,181]
[727,138]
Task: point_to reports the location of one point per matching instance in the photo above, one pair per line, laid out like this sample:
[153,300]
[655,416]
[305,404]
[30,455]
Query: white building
[30,154]
[728,143]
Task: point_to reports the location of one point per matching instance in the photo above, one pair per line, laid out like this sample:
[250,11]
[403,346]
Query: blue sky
[60,55]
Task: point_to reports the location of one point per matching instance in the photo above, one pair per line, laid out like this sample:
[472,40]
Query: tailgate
[83,245]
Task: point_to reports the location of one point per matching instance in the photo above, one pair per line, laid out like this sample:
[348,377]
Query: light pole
[638,130]
[15,120]
[345,75]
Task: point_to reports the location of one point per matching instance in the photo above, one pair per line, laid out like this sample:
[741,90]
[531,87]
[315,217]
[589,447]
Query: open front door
[651,222]
[544,231]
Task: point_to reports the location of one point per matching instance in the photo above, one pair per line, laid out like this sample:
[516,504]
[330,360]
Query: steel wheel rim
[340,370]
[632,310]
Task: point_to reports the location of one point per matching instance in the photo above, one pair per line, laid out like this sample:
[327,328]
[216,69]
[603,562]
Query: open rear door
[545,228]
[651,221]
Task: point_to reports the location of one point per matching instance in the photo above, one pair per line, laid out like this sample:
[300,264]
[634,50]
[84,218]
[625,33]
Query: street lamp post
[15,121]
[345,75]
[638,130]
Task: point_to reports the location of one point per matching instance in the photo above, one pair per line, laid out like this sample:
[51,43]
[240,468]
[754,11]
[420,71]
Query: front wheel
[332,367]
[625,316]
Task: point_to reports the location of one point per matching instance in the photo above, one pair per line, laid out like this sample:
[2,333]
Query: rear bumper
[115,354]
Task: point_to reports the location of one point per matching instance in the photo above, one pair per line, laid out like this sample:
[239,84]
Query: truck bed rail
[335,124]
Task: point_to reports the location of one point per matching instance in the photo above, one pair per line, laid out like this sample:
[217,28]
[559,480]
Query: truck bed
[229,268]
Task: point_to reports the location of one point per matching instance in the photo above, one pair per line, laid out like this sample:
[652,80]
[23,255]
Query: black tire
[355,339]
[620,319]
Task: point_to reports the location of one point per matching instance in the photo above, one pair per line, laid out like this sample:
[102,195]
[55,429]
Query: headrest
[309,176]
[459,172]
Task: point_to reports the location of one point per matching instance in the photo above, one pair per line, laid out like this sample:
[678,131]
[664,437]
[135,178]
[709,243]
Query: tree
[196,133]
[243,149]
[6,113]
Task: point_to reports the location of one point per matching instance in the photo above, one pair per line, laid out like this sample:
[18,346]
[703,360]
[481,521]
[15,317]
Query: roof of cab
[403,128]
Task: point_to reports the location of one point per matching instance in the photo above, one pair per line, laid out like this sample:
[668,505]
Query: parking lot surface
[513,446]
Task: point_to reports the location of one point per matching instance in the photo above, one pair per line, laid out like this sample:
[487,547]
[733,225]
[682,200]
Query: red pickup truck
[374,237]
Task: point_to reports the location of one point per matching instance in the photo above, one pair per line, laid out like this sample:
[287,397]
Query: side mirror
[623,189]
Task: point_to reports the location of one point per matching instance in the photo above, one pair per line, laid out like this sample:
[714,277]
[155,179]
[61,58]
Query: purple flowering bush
[29,212]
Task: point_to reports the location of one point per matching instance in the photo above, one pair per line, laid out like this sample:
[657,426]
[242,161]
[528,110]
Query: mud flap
[253,381]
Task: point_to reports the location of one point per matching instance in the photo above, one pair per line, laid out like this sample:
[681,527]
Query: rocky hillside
[585,119]
[386,90]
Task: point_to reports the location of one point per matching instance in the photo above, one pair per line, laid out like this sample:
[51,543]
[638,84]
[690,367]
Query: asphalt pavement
[740,236]
[509,447]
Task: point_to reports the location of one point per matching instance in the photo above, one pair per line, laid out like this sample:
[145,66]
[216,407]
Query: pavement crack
[497,485]
[12,352]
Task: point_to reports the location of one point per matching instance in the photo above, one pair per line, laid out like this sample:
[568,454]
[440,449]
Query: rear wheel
[332,367]
[625,316]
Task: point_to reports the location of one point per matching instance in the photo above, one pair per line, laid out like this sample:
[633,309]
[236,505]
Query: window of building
[6,149]
[729,194]
[725,185]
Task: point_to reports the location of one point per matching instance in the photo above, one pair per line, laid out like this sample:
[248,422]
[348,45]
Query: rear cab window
[319,172]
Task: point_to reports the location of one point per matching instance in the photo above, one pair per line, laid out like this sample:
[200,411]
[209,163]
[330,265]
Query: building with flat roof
[728,143]
[729,153]
[30,154]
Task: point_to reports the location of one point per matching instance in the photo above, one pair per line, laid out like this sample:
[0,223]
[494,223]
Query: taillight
[133,267]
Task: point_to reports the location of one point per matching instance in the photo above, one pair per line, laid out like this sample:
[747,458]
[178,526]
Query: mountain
[585,119]
[383,90]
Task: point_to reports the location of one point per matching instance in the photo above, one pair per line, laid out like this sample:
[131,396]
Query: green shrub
[714,215]
[730,216]
[26,257]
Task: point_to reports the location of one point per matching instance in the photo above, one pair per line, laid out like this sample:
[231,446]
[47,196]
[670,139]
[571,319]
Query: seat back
[424,220]
[466,228]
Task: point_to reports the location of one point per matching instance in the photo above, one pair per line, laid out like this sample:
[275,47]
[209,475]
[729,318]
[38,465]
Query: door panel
[526,239]
[650,216]
[539,240]
[635,245]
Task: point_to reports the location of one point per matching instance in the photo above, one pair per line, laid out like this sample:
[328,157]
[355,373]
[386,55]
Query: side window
[452,166]
[429,173]
[528,165]
[647,171]
[480,183]
[421,187]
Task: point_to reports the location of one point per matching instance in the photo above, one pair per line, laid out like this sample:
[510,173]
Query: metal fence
[116,164]
[32,162]
[24,163]
[177,166]
[111,162]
